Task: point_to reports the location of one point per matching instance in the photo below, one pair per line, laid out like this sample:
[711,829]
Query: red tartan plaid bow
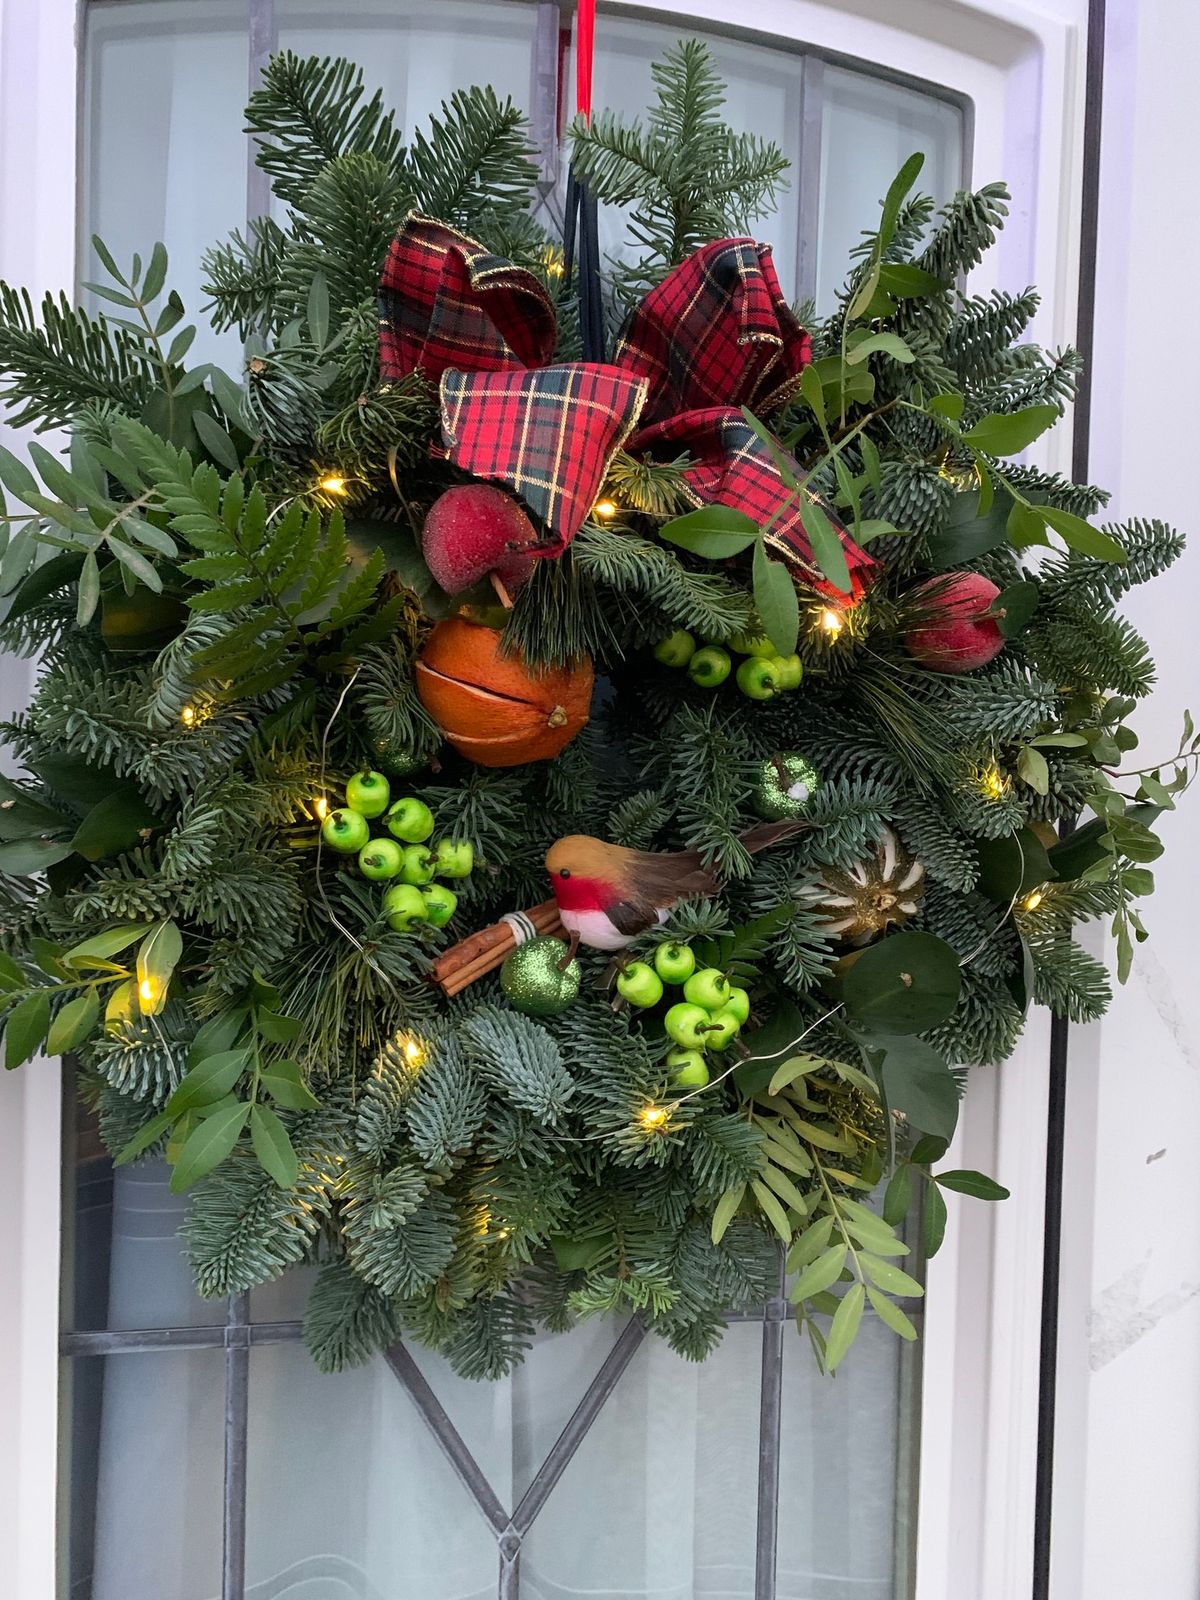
[715,335]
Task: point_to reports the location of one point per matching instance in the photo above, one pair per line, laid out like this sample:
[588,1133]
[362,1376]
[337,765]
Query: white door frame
[1022,68]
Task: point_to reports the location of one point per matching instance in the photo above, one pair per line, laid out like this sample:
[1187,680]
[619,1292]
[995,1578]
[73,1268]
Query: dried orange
[493,708]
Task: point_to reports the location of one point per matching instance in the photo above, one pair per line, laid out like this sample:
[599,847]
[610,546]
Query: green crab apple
[418,864]
[674,962]
[368,793]
[687,1025]
[752,645]
[709,667]
[409,819]
[345,830]
[440,904]
[404,906]
[791,671]
[723,1029]
[676,650]
[708,988]
[640,984]
[738,1003]
[453,860]
[759,678]
[381,858]
[688,1068]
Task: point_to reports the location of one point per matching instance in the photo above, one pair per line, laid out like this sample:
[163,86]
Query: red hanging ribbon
[585,45]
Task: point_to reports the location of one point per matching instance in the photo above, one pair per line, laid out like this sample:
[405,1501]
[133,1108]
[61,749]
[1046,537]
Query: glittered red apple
[957,630]
[476,531]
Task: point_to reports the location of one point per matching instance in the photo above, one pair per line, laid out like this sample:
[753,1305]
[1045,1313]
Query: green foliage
[224,582]
[687,176]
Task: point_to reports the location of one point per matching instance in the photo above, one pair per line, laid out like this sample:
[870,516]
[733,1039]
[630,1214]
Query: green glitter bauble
[532,982]
[394,759]
[785,786]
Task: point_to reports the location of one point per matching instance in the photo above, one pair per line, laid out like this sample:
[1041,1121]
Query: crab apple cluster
[403,857]
[708,1018]
[762,675]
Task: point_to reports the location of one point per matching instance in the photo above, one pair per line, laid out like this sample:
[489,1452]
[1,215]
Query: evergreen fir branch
[406,1258]
[637,819]
[1150,547]
[703,602]
[309,111]
[687,176]
[519,1060]
[965,231]
[242,1229]
[1079,647]
[657,488]
[56,361]
[379,1121]
[447,1107]
[476,162]
[490,1337]
[243,278]
[346,1320]
[1068,978]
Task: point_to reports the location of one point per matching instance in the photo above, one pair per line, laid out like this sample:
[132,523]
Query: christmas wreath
[535,792]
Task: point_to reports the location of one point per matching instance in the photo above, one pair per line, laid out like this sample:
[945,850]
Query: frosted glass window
[164,156]
[869,128]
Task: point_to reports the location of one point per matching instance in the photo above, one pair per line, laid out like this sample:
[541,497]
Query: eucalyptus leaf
[776,601]
[714,532]
[26,1028]
[72,1023]
[918,1081]
[1008,433]
[972,1183]
[904,984]
[146,1135]
[827,549]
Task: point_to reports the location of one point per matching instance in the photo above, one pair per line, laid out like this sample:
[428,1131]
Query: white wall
[1128,1481]
[37,246]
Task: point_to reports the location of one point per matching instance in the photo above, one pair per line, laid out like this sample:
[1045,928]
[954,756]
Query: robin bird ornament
[608,894]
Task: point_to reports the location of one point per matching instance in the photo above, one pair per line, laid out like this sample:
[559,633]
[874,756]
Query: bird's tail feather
[765,834]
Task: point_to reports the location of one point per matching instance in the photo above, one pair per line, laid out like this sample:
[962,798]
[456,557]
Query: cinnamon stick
[482,952]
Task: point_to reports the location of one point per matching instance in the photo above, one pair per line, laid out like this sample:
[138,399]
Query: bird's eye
[564,872]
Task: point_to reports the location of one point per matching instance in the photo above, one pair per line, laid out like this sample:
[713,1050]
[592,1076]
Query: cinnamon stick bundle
[483,952]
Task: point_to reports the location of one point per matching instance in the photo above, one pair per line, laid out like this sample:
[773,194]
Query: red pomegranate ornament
[475,531]
[957,630]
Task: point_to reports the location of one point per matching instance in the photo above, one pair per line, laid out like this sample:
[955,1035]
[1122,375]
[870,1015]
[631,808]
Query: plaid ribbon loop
[715,335]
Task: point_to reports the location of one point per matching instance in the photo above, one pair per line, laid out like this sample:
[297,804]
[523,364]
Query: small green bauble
[785,786]
[709,667]
[534,980]
[395,760]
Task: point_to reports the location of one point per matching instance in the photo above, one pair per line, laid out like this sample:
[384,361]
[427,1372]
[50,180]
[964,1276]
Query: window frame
[1021,69]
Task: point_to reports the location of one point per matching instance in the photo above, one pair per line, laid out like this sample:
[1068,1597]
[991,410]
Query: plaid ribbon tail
[731,466]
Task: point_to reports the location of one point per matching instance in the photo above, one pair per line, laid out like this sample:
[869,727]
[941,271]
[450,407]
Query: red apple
[475,529]
[956,633]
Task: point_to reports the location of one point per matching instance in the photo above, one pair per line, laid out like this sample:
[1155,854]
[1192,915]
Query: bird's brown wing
[662,878]
[632,916]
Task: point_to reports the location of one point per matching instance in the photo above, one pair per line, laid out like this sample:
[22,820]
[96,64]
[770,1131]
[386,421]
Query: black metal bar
[770,1433]
[128,1341]
[447,1435]
[585,1413]
[237,1418]
[1056,1110]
